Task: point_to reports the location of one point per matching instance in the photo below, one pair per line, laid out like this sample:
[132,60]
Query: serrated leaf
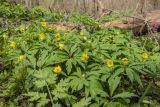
[42,58]
[129,73]
[40,83]
[113,84]
[83,102]
[118,72]
[69,66]
[73,49]
[137,78]
[124,95]
[42,102]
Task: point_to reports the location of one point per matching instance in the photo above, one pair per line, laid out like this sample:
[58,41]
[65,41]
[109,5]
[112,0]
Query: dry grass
[92,6]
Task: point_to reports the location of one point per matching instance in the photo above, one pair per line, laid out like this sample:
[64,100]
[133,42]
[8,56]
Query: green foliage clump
[45,66]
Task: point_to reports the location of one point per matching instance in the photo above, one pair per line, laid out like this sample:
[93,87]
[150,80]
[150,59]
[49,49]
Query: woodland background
[93,6]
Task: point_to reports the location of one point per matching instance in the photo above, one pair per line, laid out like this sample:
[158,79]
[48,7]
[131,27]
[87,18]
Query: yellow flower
[58,37]
[89,41]
[118,33]
[84,56]
[124,60]
[65,34]
[85,38]
[43,24]
[22,30]
[57,69]
[58,28]
[42,36]
[110,63]
[145,55]
[4,36]
[12,44]
[81,33]
[61,46]
[21,57]
[49,29]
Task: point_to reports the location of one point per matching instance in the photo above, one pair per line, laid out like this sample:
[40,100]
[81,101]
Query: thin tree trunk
[155,4]
[84,3]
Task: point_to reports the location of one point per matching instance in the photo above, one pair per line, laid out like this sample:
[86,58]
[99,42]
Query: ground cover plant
[42,65]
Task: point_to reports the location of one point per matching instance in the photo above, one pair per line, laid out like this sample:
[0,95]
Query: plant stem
[145,92]
[49,92]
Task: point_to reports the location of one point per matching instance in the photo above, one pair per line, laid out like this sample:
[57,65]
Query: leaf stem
[145,92]
[49,92]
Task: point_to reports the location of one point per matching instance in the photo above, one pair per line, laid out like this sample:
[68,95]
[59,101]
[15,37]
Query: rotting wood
[137,22]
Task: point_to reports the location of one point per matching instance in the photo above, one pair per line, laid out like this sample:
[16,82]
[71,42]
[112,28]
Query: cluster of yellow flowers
[83,35]
[84,57]
[110,62]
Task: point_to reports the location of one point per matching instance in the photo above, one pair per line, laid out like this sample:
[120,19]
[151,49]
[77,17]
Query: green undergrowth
[48,66]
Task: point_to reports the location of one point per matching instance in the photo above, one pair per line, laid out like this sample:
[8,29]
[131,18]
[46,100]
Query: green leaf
[42,58]
[69,66]
[40,83]
[83,102]
[113,84]
[118,72]
[40,97]
[130,74]
[137,78]
[41,74]
[94,86]
[73,49]
[124,95]
[61,90]
[42,102]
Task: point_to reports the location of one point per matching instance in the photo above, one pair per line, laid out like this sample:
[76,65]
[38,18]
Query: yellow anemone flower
[43,24]
[58,37]
[50,29]
[81,33]
[42,36]
[85,38]
[57,69]
[22,30]
[118,33]
[110,63]
[65,34]
[84,57]
[89,41]
[145,55]
[21,57]
[124,60]
[61,46]
[4,36]
[12,44]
